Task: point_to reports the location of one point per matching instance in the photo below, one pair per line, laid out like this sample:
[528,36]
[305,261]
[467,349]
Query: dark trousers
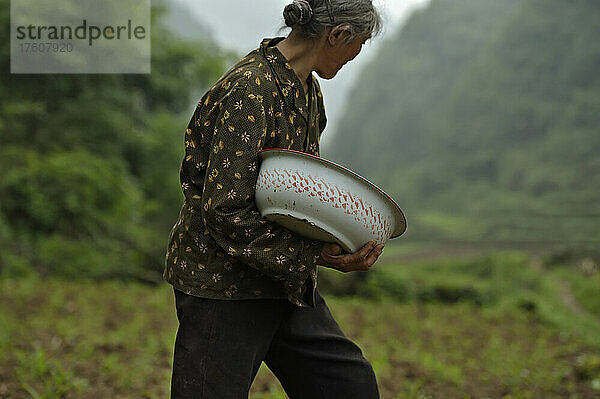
[220,345]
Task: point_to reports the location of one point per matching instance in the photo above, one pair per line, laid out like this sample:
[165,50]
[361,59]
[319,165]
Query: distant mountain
[483,118]
[237,25]
[180,20]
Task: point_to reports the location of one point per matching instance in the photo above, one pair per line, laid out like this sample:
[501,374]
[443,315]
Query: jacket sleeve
[227,202]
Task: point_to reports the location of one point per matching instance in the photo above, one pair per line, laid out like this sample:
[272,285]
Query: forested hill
[482,118]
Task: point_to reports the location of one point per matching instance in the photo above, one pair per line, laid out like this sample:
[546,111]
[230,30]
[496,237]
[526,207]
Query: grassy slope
[111,339]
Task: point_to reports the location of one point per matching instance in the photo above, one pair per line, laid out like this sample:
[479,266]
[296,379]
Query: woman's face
[336,55]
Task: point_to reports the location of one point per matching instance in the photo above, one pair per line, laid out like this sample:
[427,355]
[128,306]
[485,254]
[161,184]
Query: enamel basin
[322,200]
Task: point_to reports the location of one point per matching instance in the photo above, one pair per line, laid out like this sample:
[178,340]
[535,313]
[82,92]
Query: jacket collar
[289,84]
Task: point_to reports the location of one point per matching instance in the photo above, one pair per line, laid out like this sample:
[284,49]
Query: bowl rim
[354,174]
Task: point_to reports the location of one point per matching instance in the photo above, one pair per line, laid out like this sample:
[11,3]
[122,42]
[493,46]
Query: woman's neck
[301,55]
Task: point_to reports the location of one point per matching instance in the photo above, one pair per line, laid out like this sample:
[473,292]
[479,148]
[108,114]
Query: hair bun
[298,12]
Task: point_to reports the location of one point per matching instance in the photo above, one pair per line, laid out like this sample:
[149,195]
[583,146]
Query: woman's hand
[361,260]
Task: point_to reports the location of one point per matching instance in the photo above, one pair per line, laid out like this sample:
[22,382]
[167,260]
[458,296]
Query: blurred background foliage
[89,163]
[481,118]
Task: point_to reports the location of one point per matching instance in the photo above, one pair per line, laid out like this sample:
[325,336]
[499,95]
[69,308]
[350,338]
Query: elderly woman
[246,288]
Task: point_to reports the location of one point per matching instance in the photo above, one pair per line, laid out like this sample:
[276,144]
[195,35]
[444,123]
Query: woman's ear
[338,35]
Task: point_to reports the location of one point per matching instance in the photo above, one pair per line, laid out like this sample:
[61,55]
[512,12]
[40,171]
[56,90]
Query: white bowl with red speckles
[322,200]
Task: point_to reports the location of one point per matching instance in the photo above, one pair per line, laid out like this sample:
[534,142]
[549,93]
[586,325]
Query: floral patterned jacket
[220,246]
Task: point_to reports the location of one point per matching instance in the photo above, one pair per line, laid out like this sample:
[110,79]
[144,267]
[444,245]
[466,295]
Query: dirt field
[62,339]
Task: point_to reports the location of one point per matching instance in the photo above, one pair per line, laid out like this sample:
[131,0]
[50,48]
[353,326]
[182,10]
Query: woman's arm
[227,201]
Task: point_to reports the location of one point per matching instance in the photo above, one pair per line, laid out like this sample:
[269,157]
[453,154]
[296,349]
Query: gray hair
[314,16]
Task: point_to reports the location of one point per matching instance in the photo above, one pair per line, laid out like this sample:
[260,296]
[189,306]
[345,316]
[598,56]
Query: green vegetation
[481,118]
[501,324]
[89,163]
[561,287]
